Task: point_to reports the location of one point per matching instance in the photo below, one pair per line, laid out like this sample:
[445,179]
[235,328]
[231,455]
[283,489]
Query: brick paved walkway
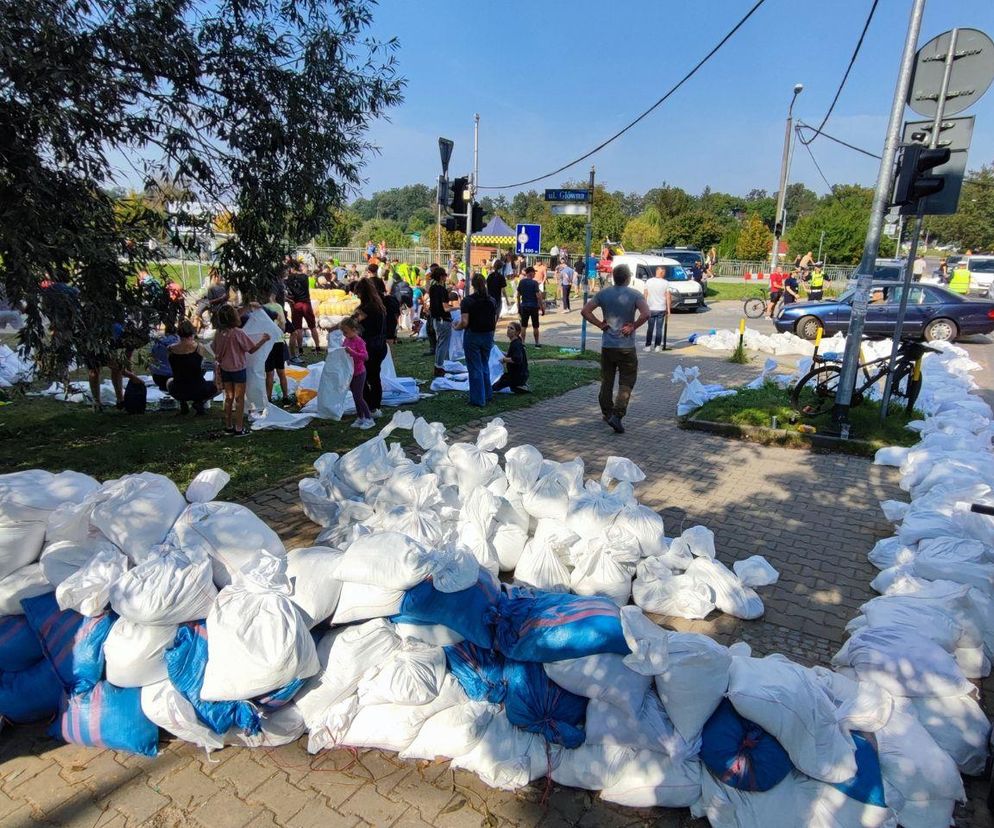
[814,516]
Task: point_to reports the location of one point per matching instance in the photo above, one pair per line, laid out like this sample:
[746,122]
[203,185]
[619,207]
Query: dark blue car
[934,314]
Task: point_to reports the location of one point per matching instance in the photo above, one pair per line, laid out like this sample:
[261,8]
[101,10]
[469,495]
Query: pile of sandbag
[777,344]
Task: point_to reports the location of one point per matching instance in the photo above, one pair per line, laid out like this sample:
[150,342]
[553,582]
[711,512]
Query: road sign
[529,238]
[972,72]
[445,146]
[568,195]
[955,134]
[570,209]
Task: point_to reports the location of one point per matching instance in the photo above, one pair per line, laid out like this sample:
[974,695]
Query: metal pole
[586,262]
[438,237]
[821,242]
[784,167]
[881,198]
[919,215]
[472,196]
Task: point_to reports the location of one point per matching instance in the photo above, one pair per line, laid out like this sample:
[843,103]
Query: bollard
[666,319]
[814,356]
[742,331]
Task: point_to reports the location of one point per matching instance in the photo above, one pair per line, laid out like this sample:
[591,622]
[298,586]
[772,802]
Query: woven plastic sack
[467,612]
[26,582]
[31,694]
[107,717]
[137,511]
[167,589]
[135,653]
[19,646]
[479,670]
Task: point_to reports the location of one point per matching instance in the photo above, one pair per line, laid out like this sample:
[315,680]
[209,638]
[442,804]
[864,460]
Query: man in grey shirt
[618,356]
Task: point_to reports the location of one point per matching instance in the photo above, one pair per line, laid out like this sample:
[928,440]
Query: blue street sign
[582,196]
[528,238]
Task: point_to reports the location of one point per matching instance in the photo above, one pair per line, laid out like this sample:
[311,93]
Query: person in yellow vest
[817,284]
[960,280]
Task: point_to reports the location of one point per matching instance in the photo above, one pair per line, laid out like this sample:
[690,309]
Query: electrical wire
[814,161]
[845,77]
[802,125]
[658,103]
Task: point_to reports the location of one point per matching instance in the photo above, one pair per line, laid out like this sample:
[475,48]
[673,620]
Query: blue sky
[553,78]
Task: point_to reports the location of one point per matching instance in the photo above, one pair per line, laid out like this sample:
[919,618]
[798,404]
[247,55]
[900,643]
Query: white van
[688,293]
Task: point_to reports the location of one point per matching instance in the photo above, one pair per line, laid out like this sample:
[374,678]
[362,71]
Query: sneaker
[377,414]
[615,422]
[659,349]
[356,423]
[366,425]
[229,430]
[242,433]
[648,349]
[296,361]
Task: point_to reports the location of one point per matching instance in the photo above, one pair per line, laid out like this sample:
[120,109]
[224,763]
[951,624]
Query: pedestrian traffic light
[477,221]
[458,203]
[912,182]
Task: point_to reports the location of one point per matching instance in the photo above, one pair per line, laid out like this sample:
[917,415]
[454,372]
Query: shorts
[775,295]
[234,376]
[302,312]
[276,361]
[524,314]
[815,294]
[93,362]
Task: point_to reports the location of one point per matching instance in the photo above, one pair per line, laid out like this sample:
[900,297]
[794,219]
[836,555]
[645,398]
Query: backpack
[135,397]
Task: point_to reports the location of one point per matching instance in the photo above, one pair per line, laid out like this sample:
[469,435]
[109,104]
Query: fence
[419,256]
[731,267]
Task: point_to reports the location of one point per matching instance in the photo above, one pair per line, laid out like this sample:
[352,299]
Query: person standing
[791,288]
[356,347]
[618,305]
[658,298]
[298,291]
[817,284]
[776,292]
[944,272]
[478,318]
[497,284]
[918,268]
[566,276]
[530,302]
[373,316]
[441,319]
[232,347]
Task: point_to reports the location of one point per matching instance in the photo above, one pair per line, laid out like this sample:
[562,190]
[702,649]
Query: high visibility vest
[817,280]
[960,283]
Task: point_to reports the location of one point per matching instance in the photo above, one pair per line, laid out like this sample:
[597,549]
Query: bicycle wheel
[754,308]
[814,393]
[907,384]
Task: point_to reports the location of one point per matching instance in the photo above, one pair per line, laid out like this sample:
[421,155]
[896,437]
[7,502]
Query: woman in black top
[186,360]
[373,316]
[392,306]
[515,374]
[479,320]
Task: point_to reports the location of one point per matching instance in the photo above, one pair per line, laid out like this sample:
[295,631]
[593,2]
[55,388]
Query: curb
[781,437]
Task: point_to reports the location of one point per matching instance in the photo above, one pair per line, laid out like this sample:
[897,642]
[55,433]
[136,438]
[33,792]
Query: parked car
[687,256]
[643,266]
[934,314]
[981,272]
[885,270]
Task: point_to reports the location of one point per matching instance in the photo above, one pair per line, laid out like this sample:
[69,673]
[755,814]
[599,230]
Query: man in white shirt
[657,293]
[918,268]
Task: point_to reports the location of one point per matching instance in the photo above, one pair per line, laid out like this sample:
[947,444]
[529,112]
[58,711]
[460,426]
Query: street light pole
[470,198]
[784,170]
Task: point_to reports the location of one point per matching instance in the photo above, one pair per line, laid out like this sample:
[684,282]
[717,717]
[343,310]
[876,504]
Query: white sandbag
[451,732]
[592,511]
[549,496]
[903,662]
[166,707]
[522,465]
[87,591]
[955,551]
[894,510]
[493,435]
[454,568]
[649,780]
[697,540]
[542,562]
[591,767]
[231,535]
[389,560]
[33,494]
[959,726]
[694,681]
[71,522]
[318,504]
[167,589]
[919,777]
[359,602]
[507,757]
[334,396]
[257,324]
[948,564]
[620,469]
[890,552]
[207,485]
[787,701]
[656,589]
[280,727]
[316,589]
[756,571]
[476,518]
[890,456]
[605,564]
[475,466]
[415,522]
[412,675]
[137,511]
[646,727]
[367,464]
[602,676]
[437,634]
[730,594]
[135,653]
[508,541]
[647,527]
[949,619]
[257,640]
[26,582]
[860,705]
[20,544]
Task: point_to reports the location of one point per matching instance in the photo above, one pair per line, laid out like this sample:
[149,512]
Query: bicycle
[814,393]
[755,306]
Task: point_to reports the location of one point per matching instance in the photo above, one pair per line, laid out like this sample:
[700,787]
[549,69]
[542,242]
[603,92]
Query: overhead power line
[814,161]
[845,77]
[628,126]
[801,125]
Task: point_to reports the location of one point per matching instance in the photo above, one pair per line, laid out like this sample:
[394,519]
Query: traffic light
[444,191]
[778,229]
[453,224]
[912,182]
[458,203]
[477,222]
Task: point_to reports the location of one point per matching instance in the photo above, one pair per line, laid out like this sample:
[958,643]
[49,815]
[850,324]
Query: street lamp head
[798,87]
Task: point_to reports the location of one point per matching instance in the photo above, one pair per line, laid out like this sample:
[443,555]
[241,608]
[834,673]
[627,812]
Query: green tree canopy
[755,239]
[972,226]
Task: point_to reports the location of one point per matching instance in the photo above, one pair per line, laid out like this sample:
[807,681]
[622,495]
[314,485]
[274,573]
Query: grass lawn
[189,275]
[755,407]
[740,291]
[44,433]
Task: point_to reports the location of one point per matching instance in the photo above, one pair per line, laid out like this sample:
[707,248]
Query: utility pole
[881,198]
[470,198]
[778,220]
[586,262]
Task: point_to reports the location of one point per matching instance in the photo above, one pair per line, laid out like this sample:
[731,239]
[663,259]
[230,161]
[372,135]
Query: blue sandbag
[740,753]
[30,695]
[867,786]
[553,626]
[19,646]
[467,612]
[480,671]
[537,704]
[73,644]
[279,698]
[186,661]
[109,717]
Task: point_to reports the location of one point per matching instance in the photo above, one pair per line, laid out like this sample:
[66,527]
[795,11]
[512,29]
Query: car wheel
[941,330]
[807,327]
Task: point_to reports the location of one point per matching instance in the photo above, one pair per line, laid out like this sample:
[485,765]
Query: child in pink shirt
[232,347]
[357,350]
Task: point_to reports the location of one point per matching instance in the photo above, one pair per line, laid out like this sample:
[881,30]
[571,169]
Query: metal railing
[418,256]
[736,268]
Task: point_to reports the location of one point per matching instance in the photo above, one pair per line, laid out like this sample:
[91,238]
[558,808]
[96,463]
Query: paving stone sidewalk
[813,516]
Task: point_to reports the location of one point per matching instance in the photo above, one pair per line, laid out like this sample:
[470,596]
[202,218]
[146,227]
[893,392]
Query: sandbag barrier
[129,608]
